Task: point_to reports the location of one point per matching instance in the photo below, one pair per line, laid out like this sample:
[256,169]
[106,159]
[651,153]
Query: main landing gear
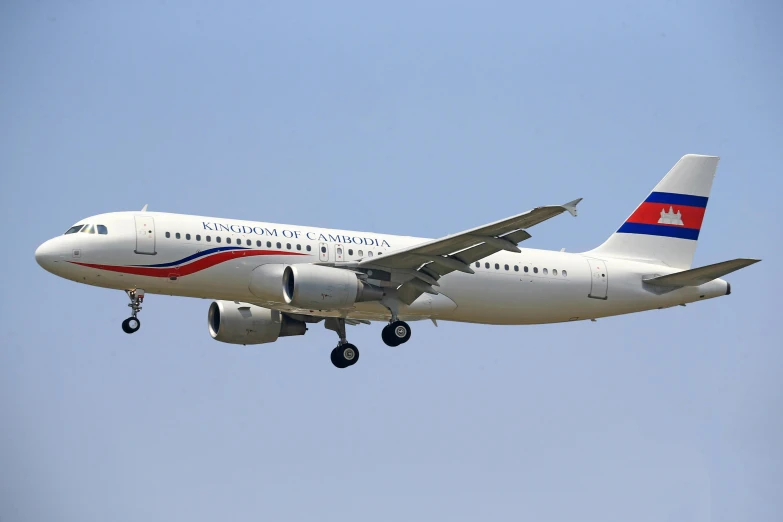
[396,333]
[132,323]
[345,354]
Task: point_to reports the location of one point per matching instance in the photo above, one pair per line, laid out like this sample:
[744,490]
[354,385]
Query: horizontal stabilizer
[701,275]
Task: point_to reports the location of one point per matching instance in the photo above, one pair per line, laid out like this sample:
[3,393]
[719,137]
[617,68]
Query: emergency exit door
[145,235]
[599,279]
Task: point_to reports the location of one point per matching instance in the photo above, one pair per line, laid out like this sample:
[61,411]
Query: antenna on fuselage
[144,208]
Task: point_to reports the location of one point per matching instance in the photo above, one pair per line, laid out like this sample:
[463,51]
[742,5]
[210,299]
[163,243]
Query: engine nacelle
[242,323]
[325,288]
[313,287]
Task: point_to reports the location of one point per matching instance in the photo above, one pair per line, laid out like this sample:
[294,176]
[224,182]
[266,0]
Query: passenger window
[506,267]
[177,235]
[288,246]
[535,269]
[339,251]
[350,251]
[486,265]
[299,247]
[249,243]
[269,244]
[554,271]
[217,239]
[258,243]
[168,234]
[565,274]
[526,270]
[198,237]
[308,248]
[497,266]
[379,253]
[546,271]
[478,265]
[279,245]
[187,236]
[323,249]
[228,240]
[516,268]
[361,253]
[369,253]
[209,239]
[73,229]
[102,229]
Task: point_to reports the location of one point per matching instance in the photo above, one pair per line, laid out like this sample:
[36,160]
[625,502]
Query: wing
[420,266]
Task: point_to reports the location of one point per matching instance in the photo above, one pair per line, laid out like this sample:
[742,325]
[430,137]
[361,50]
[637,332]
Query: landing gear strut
[345,354]
[132,323]
[396,332]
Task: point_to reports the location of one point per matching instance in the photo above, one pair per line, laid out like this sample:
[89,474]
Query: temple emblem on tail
[670,218]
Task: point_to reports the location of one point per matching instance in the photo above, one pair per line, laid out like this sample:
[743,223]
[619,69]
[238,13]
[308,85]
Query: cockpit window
[88,229]
[102,229]
[74,229]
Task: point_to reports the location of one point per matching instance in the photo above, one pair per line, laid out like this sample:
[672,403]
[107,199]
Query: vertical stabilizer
[665,227]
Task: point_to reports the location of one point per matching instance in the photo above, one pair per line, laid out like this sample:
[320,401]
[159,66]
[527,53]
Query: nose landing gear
[132,323]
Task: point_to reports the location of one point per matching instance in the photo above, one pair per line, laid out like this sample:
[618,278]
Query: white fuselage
[174,254]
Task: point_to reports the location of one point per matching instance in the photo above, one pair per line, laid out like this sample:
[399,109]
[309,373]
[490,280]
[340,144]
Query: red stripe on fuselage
[650,214]
[196,266]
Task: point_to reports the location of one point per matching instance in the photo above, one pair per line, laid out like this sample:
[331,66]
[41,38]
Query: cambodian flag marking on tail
[668,214]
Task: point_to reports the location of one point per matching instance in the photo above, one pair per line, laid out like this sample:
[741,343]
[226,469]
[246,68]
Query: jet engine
[323,287]
[312,287]
[242,323]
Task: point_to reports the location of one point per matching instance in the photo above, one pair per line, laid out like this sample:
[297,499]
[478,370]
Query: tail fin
[664,228]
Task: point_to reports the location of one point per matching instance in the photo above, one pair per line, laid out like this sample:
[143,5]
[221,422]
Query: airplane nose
[44,254]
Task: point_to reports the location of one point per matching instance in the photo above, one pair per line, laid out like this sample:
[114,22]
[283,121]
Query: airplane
[271,280]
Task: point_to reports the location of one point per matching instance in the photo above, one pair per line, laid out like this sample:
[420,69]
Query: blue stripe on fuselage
[194,256]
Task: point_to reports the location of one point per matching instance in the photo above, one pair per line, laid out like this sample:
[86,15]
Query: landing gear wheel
[130,325]
[396,333]
[388,336]
[345,355]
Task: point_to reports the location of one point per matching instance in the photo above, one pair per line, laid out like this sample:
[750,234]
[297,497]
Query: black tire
[345,355]
[131,325]
[336,359]
[388,336]
[400,332]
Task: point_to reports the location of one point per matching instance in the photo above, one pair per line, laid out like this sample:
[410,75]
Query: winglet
[571,206]
[144,208]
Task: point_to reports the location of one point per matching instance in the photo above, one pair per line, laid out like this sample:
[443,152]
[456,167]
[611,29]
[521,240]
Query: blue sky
[411,118]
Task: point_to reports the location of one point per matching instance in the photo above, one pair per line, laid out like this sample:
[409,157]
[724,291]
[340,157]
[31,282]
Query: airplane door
[339,255]
[145,235]
[323,252]
[599,279]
